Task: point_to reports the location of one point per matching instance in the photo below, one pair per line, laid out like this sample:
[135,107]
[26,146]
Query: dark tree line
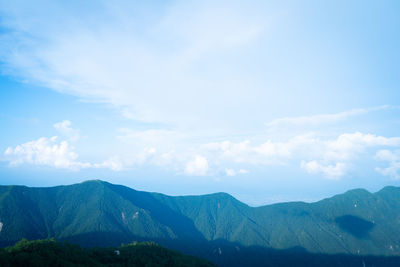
[50,252]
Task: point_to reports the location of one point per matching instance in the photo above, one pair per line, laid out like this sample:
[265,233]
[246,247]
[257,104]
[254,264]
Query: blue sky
[267,100]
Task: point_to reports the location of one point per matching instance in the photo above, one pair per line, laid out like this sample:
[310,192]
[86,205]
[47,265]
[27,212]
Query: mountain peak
[96,212]
[93,181]
[358,192]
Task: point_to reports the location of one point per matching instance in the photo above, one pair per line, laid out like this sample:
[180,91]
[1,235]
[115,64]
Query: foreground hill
[215,226]
[42,253]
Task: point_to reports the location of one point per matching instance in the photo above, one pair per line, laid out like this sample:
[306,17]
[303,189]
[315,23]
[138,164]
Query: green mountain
[42,253]
[215,226]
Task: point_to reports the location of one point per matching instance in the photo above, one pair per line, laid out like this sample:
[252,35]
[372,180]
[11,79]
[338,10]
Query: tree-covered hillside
[215,226]
[42,253]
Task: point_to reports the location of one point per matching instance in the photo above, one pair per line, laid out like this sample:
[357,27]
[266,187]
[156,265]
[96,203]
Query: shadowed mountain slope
[44,253]
[97,213]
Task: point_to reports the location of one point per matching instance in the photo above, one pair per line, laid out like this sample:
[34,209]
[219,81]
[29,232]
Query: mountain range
[355,226]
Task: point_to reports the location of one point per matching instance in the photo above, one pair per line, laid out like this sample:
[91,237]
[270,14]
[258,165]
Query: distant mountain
[215,226]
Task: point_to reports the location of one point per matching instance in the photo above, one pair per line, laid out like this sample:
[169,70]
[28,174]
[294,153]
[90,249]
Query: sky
[269,101]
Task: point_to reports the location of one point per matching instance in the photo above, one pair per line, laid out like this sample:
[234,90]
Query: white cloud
[64,127]
[330,157]
[146,67]
[140,150]
[232,172]
[334,156]
[317,120]
[113,163]
[150,137]
[145,155]
[158,69]
[269,152]
[347,145]
[243,171]
[335,170]
[387,155]
[154,146]
[45,151]
[198,166]
[393,159]
[60,154]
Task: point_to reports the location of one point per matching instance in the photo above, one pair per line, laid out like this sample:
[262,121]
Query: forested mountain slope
[97,213]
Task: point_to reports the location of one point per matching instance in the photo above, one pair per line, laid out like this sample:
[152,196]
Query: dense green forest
[357,225]
[48,252]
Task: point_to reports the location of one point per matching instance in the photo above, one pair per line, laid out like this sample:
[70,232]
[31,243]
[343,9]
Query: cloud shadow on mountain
[355,226]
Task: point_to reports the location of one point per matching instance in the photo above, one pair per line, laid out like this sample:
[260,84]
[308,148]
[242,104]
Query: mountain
[215,226]
[42,253]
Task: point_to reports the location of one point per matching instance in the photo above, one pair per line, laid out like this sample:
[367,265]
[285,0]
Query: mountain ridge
[388,187]
[96,212]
